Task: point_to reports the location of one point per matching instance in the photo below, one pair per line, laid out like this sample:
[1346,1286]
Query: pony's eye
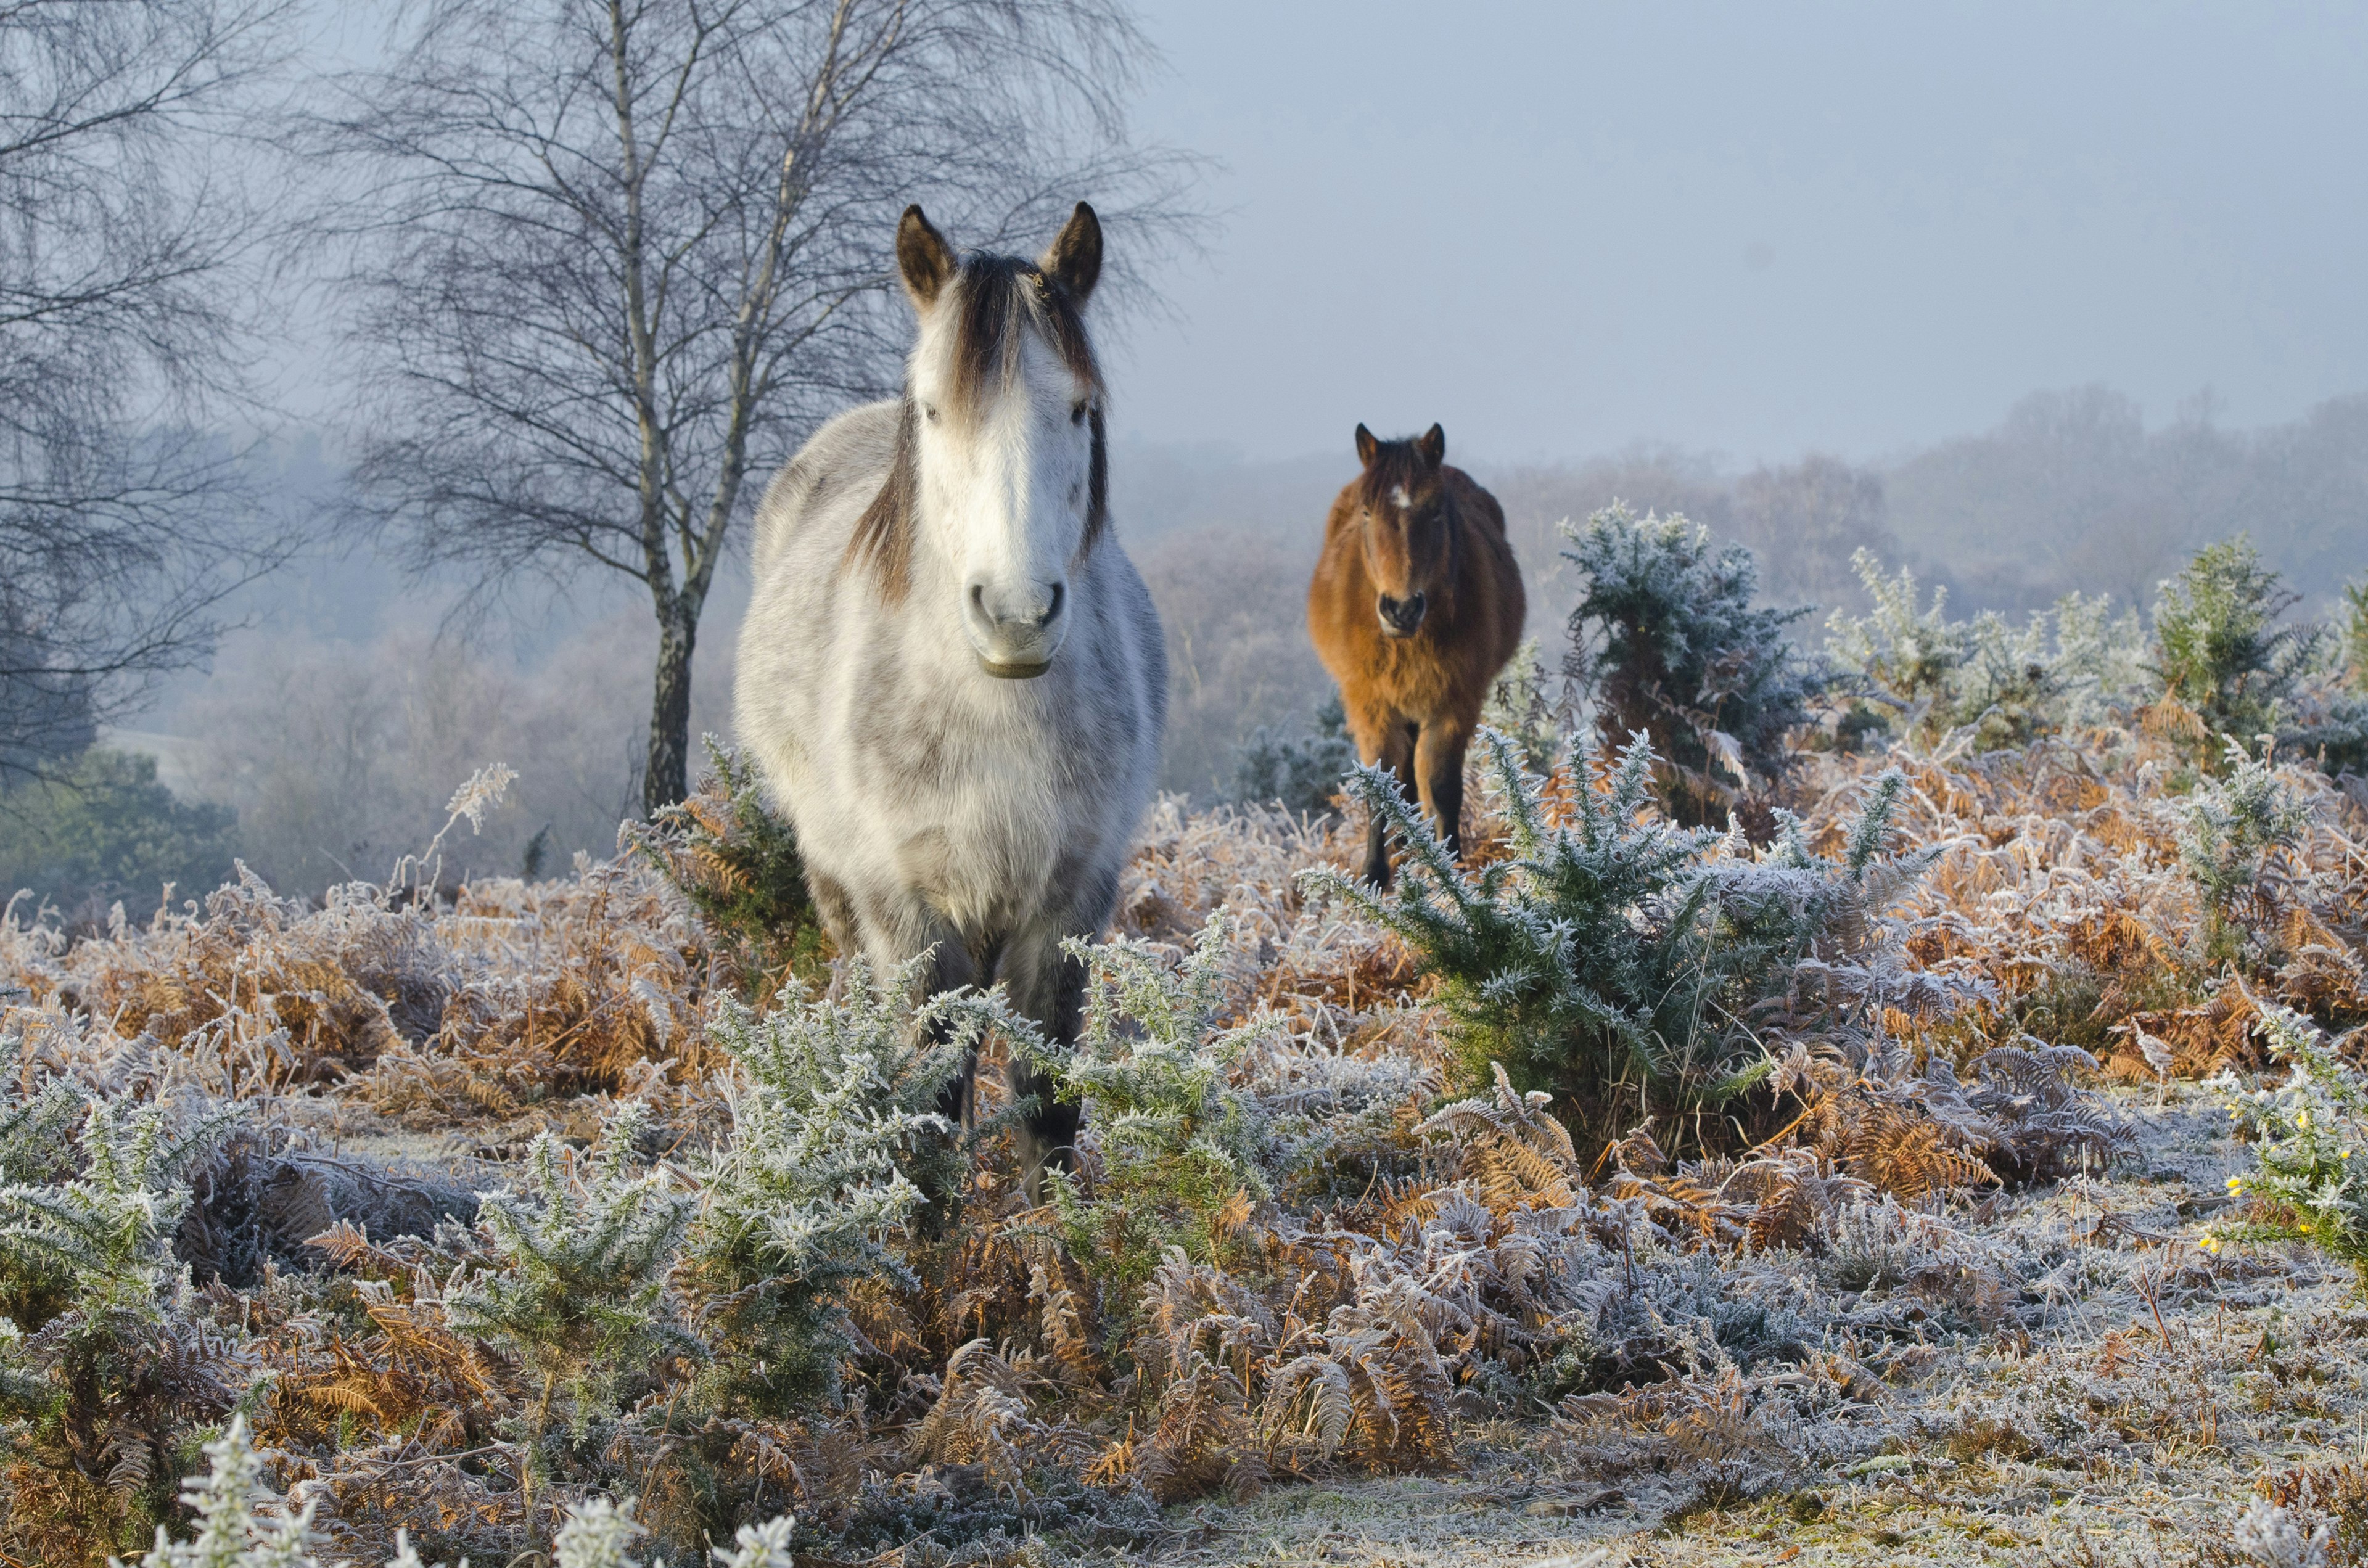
[929,411]
[1077,413]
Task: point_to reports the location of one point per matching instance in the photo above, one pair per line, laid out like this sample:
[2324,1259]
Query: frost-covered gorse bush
[737,863]
[1523,706]
[2307,1136]
[835,1145]
[1181,1153]
[1299,768]
[102,1369]
[579,1294]
[2355,638]
[102,1239]
[2221,655]
[1921,675]
[232,1533]
[1667,641]
[2233,824]
[1612,958]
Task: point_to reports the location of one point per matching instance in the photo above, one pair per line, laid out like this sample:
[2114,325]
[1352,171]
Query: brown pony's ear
[1366,446]
[923,257]
[1075,260]
[1432,446]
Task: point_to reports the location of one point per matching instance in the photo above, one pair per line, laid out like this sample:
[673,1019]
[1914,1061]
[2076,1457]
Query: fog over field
[2027,302]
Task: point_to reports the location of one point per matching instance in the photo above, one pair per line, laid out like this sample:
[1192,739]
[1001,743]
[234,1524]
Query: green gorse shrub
[2219,650]
[738,864]
[1667,642]
[1610,959]
[1178,1144]
[102,1239]
[1923,677]
[231,1533]
[834,1146]
[2307,1136]
[112,1373]
[1298,769]
[2355,637]
[579,1293]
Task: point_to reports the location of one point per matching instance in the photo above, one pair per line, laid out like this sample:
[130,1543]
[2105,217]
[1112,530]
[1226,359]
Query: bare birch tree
[125,304]
[611,253]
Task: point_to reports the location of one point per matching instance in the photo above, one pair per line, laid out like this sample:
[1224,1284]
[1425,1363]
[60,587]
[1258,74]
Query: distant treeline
[2070,491]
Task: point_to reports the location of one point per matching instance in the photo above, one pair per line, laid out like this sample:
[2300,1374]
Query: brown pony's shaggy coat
[1416,604]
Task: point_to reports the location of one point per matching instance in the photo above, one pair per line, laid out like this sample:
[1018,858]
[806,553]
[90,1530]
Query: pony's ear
[923,257]
[1432,446]
[1075,260]
[1366,446]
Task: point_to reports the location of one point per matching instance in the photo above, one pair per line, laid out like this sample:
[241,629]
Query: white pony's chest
[974,803]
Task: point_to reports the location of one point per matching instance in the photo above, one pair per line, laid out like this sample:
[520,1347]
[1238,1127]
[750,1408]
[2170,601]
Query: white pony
[951,675]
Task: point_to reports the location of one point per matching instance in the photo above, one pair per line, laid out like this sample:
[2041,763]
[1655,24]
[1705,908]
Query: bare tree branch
[123,322]
[609,255]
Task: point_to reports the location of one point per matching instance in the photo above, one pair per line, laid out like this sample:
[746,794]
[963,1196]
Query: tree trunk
[667,777]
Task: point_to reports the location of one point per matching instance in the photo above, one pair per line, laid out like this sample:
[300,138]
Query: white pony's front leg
[896,927]
[1048,986]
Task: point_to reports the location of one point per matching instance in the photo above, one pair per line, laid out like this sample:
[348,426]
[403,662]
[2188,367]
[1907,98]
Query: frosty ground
[1963,1281]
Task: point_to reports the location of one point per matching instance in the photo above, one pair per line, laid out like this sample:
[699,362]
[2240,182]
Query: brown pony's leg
[1438,763]
[1392,746]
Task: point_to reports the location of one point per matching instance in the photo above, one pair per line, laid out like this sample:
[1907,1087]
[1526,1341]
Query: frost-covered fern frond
[833,1140]
[1519,1155]
[230,1535]
[585,1250]
[33,1127]
[2044,1125]
[106,1234]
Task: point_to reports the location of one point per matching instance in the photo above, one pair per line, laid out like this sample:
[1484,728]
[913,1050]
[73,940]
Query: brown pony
[1416,604]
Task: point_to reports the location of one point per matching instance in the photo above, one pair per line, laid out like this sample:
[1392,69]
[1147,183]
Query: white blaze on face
[1004,495]
[1399,497]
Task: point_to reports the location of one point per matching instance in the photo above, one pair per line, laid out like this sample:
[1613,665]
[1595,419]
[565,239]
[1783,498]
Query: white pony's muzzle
[1015,631]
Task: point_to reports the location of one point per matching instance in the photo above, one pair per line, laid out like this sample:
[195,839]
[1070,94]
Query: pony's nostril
[978,600]
[1053,611]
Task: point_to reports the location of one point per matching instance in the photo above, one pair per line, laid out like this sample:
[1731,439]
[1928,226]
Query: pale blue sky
[1755,228]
